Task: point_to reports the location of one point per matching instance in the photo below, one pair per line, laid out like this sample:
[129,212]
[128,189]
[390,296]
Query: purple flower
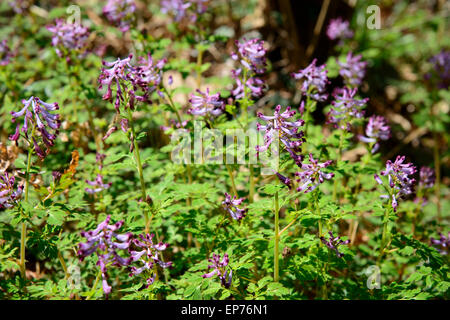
[352,70]
[39,118]
[345,108]
[256,85]
[278,126]
[146,76]
[339,29]
[5,53]
[219,269]
[68,35]
[334,243]
[116,73]
[376,130]
[120,13]
[312,175]
[441,65]
[148,255]
[443,242]
[176,8]
[284,180]
[231,205]
[97,185]
[400,183]
[252,55]
[426,181]
[205,104]
[427,177]
[109,132]
[106,243]
[314,81]
[174,124]
[9,197]
[56,176]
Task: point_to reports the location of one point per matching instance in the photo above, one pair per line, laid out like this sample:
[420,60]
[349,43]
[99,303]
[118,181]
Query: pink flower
[339,29]
[231,205]
[312,175]
[314,81]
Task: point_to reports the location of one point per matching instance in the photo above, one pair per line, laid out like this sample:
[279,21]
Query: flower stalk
[276,271]
[137,158]
[23,235]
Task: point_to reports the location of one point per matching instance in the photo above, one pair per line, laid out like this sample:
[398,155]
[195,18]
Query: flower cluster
[334,242]
[205,104]
[314,81]
[70,36]
[33,120]
[146,76]
[116,73]
[231,205]
[288,132]
[105,242]
[427,177]
[219,269]
[312,175]
[120,13]
[177,8]
[256,85]
[443,242]
[345,108]
[376,130]
[148,255]
[8,196]
[352,69]
[339,29]
[400,182]
[441,66]
[5,53]
[98,185]
[252,56]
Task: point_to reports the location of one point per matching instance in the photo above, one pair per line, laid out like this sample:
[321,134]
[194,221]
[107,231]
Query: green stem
[276,271]
[63,264]
[324,286]
[317,207]
[339,158]
[172,105]
[139,166]
[354,223]
[252,185]
[385,228]
[23,236]
[199,64]
[233,185]
[94,287]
